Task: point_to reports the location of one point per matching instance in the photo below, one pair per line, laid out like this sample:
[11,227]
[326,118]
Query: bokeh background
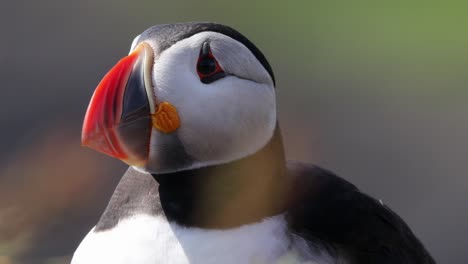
[375,92]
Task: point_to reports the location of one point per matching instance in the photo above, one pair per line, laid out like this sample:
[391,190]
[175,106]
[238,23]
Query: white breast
[148,239]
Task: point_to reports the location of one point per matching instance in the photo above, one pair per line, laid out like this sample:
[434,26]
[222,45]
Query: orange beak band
[118,121]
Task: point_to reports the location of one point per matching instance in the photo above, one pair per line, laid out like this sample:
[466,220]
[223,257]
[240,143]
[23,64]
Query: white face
[221,121]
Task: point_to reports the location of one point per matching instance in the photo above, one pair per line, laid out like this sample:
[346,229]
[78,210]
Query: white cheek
[223,121]
[231,119]
[220,122]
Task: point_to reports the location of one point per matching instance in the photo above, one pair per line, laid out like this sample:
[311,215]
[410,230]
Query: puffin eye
[208,68]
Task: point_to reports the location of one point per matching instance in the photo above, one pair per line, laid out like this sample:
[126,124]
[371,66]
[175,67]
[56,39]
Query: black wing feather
[331,212]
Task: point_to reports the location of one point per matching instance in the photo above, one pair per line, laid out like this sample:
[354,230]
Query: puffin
[192,110]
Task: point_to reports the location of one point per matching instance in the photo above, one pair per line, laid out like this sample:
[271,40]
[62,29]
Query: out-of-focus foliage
[44,190]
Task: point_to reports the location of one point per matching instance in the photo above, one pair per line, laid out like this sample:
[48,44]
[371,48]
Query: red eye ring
[208,68]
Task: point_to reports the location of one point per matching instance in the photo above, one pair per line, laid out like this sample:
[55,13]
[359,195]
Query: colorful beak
[118,121]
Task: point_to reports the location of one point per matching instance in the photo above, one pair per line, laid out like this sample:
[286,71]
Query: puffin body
[192,110]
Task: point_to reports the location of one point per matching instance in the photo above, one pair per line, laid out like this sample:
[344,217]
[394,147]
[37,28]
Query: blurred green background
[376,92]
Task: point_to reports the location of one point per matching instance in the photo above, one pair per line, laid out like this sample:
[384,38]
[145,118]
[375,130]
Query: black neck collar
[228,195]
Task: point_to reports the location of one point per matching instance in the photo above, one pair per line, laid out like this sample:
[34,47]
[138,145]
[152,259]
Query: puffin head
[187,96]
